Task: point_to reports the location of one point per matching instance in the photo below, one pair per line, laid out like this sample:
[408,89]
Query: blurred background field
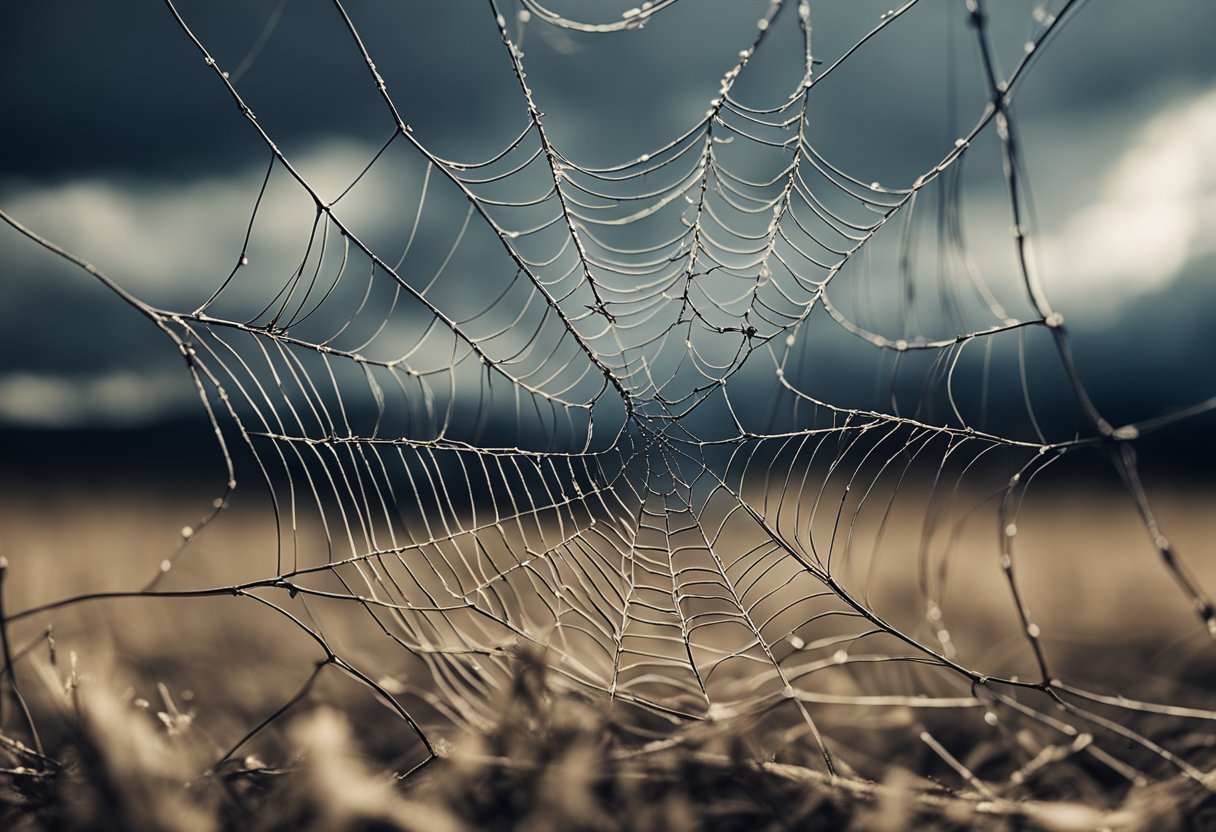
[1111,618]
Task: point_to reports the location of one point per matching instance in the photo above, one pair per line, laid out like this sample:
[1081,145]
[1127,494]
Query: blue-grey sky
[123,147]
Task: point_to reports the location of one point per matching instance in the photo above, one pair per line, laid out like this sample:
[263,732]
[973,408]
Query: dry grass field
[159,688]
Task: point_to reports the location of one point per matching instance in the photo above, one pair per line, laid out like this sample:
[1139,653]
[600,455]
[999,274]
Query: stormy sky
[122,147]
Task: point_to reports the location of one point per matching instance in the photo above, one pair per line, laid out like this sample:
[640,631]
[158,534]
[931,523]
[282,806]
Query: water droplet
[780,372]
[1033,630]
[762,24]
[523,16]
[647,6]
[645,157]
[797,643]
[244,260]
[960,142]
[225,76]
[1054,320]
[991,718]
[502,22]
[165,566]
[877,186]
[901,345]
[1127,432]
[218,502]
[1029,47]
[840,656]
[688,343]
[630,13]
[1011,530]
[789,340]
[187,531]
[209,61]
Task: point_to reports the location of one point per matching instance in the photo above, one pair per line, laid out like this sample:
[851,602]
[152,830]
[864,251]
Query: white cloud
[1149,219]
[169,244]
[173,243]
[116,398]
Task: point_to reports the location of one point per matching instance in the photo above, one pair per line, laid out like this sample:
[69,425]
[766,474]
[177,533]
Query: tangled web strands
[579,407]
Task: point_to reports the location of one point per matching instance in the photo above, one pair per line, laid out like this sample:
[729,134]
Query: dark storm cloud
[120,143]
[95,89]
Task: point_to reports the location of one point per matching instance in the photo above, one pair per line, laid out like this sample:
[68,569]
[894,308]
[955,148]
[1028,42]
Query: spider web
[579,408]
